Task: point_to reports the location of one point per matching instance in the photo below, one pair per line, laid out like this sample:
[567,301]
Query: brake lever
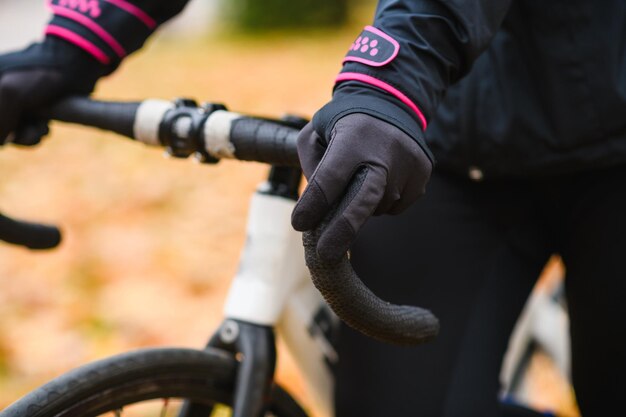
[28,234]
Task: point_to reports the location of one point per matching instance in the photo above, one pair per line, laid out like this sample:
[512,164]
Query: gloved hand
[397,170]
[37,76]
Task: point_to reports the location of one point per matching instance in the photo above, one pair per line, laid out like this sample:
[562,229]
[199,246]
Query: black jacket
[109,30]
[506,87]
[547,96]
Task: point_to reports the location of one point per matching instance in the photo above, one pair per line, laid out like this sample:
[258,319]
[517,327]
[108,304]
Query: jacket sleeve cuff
[354,96]
[107,30]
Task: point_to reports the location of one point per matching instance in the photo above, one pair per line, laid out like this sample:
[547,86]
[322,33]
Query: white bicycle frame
[272,288]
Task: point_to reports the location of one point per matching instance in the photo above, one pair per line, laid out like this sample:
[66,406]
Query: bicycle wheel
[149,382]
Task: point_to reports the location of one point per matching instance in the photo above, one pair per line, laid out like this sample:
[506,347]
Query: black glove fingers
[389,201]
[35,77]
[358,206]
[36,86]
[396,201]
[310,208]
[10,108]
[23,91]
[326,185]
[31,132]
[409,190]
[311,148]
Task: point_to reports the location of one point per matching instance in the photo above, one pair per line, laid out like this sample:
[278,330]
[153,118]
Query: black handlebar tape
[112,116]
[356,304]
[264,141]
[31,235]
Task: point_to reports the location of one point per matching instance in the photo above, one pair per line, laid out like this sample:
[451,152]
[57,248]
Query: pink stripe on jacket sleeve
[135,11]
[355,76]
[79,41]
[92,26]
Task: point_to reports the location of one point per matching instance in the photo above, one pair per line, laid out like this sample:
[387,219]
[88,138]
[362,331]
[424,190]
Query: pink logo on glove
[91,7]
[373,47]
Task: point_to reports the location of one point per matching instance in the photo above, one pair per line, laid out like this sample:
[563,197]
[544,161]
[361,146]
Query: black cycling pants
[471,252]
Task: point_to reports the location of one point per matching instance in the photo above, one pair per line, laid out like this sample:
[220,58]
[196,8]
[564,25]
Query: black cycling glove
[37,76]
[342,138]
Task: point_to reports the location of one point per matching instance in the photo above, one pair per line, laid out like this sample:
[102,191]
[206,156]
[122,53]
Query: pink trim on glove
[355,76]
[92,26]
[79,41]
[135,11]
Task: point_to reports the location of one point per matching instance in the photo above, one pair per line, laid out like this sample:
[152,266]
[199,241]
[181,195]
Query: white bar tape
[149,117]
[217,134]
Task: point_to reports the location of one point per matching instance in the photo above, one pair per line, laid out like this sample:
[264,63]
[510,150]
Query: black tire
[205,377]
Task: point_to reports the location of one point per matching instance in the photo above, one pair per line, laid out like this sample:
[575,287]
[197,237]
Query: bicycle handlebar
[210,132]
[356,304]
[184,129]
